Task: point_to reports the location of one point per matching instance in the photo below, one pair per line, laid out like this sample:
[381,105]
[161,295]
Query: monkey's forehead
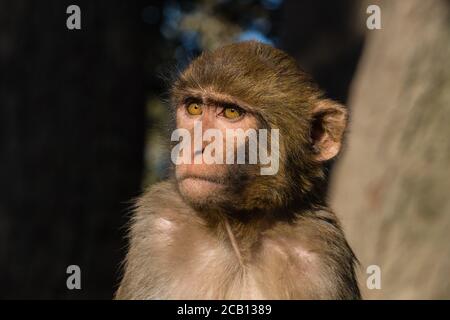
[252,72]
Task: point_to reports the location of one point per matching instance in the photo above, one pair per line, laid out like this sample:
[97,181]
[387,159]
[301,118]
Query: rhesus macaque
[226,231]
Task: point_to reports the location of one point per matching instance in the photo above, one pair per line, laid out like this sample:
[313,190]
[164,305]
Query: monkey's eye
[194,109]
[232,113]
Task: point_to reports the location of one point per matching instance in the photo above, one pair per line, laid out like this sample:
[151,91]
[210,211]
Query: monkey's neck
[234,242]
[242,235]
[243,230]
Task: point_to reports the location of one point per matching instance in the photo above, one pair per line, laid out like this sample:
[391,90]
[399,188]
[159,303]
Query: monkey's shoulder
[311,237]
[311,249]
[161,210]
[307,224]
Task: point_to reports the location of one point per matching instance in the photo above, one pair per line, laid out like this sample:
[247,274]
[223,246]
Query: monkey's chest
[188,262]
[210,281]
[211,272]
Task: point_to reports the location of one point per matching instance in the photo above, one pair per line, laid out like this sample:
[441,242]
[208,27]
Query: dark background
[78,119]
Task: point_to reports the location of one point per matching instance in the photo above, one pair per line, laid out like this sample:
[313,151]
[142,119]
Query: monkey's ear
[327,129]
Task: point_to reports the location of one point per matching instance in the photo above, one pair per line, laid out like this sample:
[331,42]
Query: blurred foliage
[194,26]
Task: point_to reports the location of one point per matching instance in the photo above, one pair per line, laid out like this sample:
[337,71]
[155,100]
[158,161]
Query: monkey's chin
[198,188]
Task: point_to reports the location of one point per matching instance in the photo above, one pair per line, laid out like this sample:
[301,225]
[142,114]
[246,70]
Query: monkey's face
[252,86]
[209,173]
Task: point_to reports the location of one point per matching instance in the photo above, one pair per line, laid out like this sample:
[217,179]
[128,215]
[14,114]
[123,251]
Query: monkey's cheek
[199,189]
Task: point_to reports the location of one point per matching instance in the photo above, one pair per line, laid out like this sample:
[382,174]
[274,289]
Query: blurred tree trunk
[391,185]
[71,144]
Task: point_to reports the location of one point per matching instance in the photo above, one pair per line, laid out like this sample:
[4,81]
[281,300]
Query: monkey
[226,231]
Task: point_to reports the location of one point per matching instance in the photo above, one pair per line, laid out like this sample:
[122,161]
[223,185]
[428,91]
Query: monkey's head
[245,86]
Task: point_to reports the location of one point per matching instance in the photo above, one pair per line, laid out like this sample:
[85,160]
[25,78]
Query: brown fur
[273,237]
